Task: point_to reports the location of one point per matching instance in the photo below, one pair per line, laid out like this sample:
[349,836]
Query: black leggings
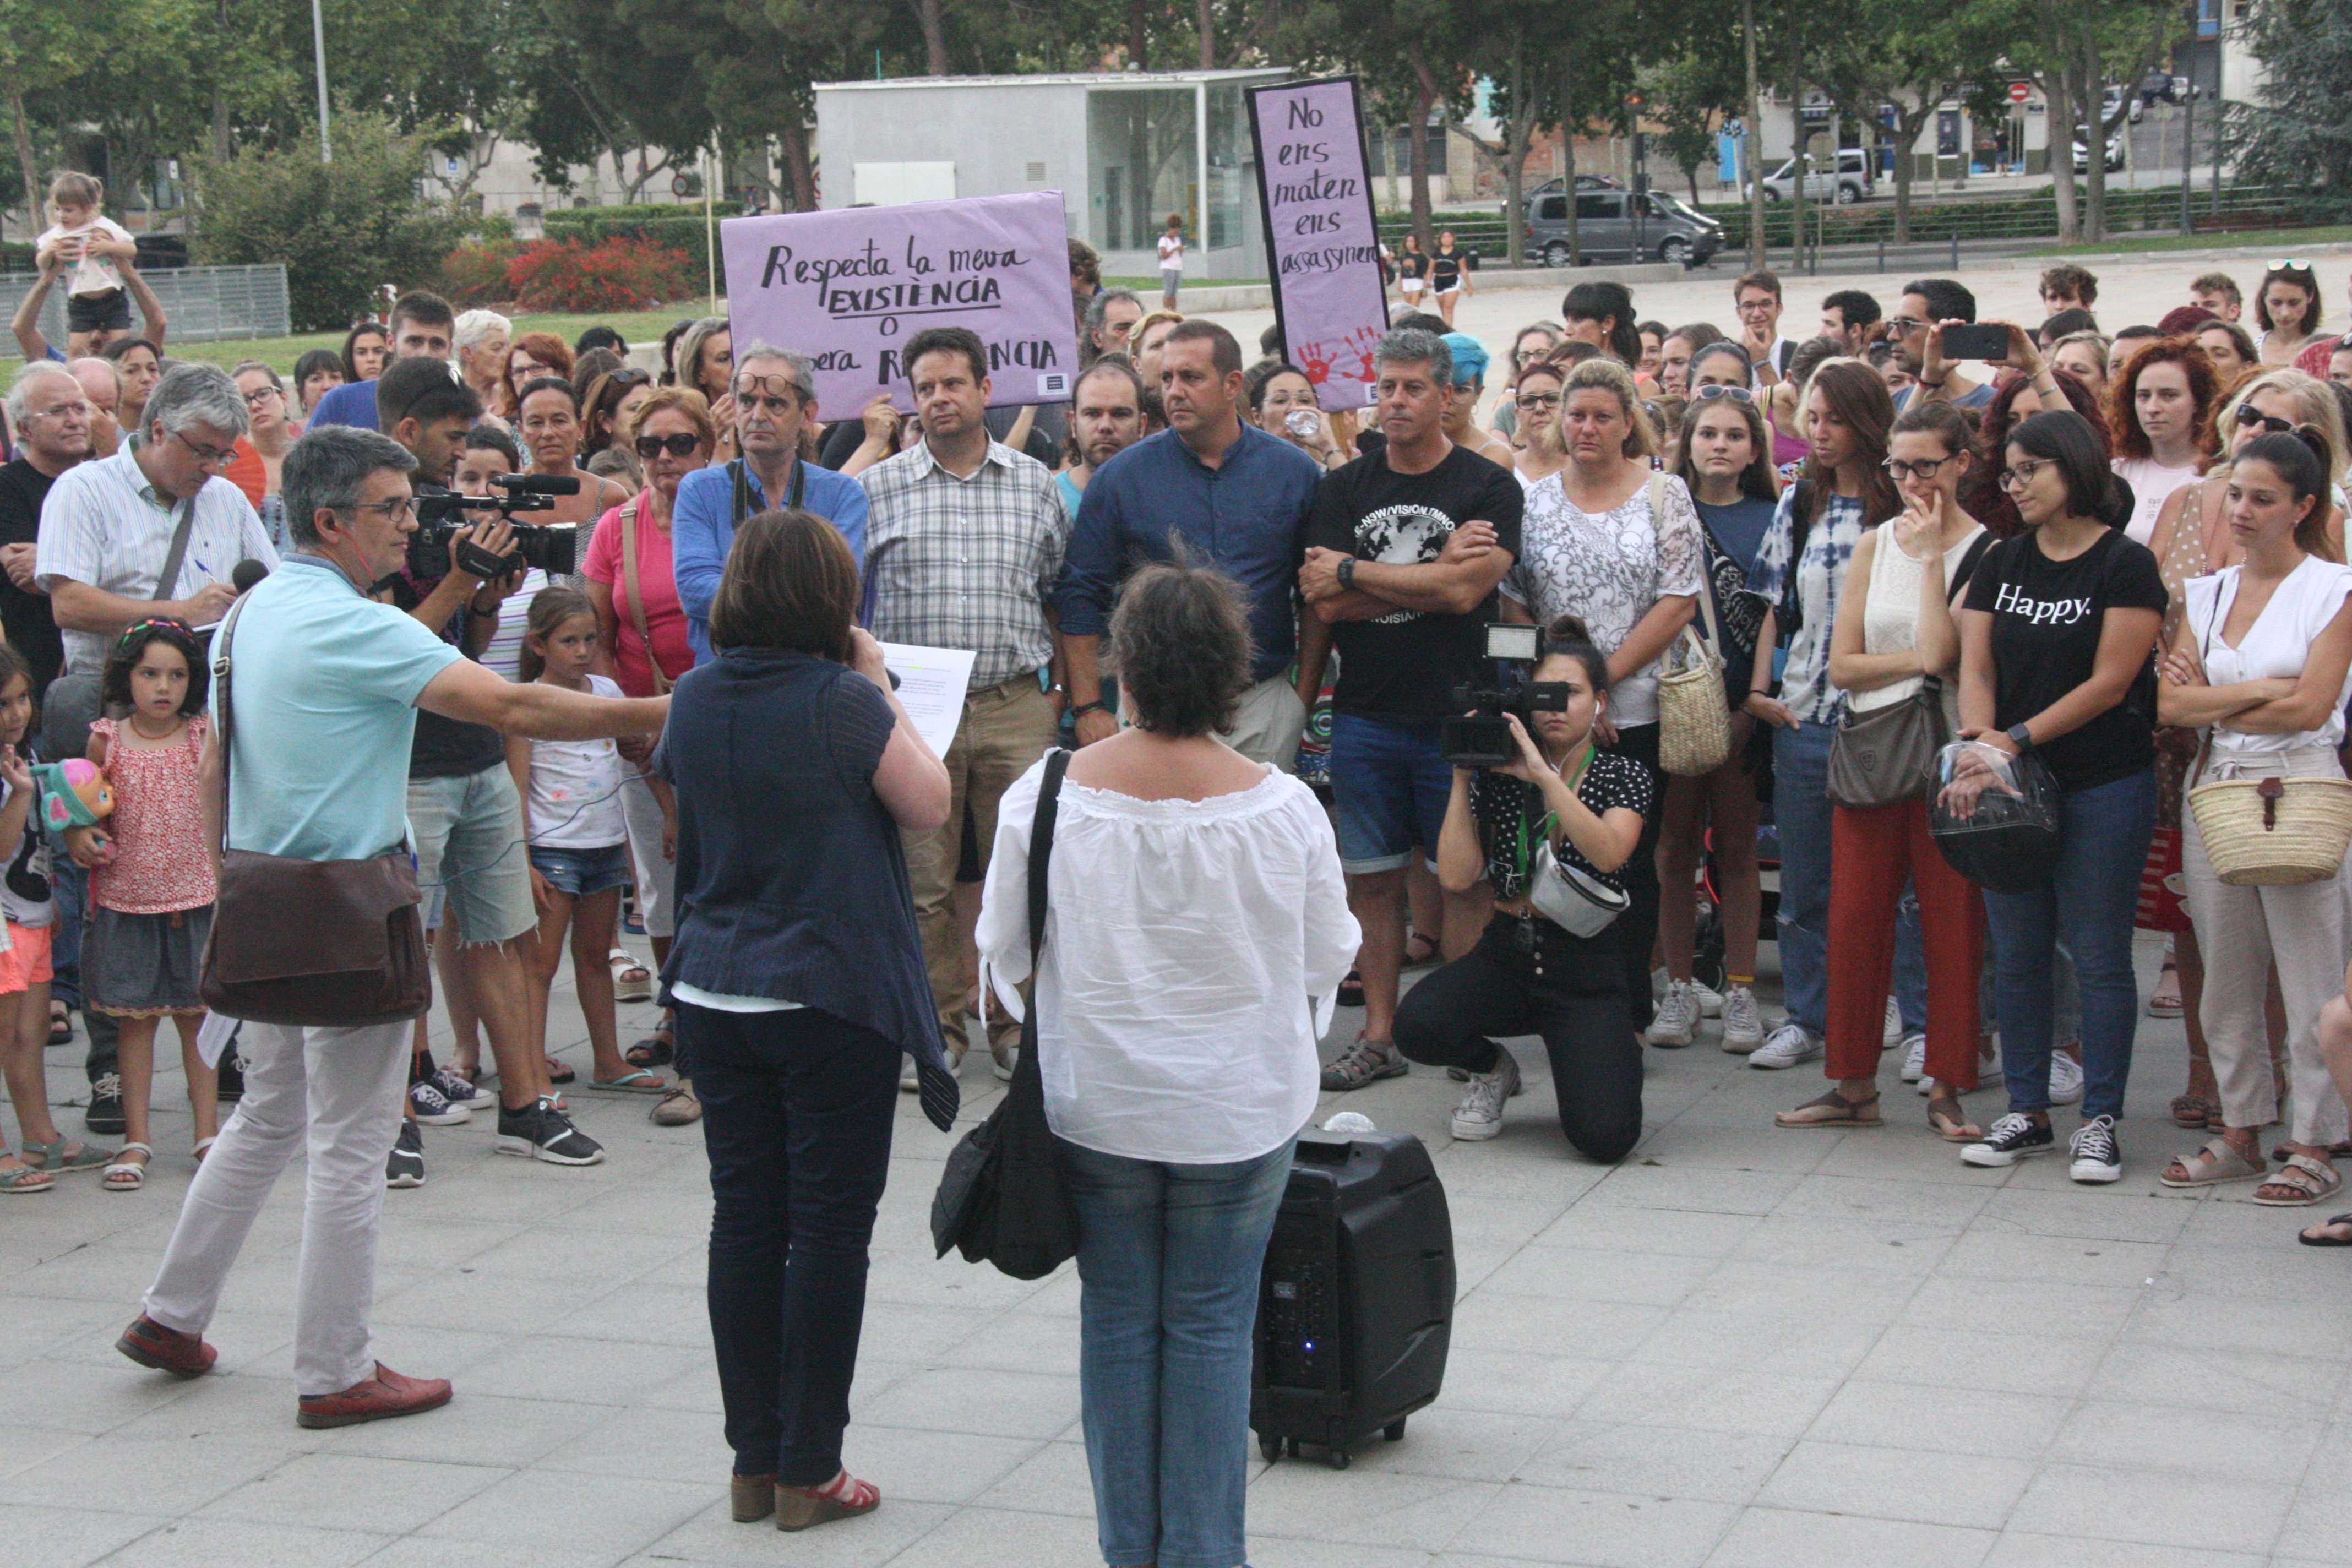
[1530,977]
[1636,930]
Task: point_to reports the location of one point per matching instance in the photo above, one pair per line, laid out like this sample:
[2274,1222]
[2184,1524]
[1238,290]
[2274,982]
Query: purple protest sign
[848,287]
[1327,291]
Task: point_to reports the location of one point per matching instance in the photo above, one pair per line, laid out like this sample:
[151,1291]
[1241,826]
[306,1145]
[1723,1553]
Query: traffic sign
[2020,91]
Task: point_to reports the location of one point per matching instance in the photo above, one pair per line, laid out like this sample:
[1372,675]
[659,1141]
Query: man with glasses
[775,400]
[1926,305]
[1756,297]
[423,327]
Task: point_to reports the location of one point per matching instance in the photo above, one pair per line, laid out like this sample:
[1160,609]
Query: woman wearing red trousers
[1892,634]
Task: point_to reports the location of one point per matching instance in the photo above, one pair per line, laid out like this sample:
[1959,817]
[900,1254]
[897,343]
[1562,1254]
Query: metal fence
[204,304]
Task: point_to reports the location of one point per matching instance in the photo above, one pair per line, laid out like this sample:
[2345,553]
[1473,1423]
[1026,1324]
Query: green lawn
[2277,239]
[638,326]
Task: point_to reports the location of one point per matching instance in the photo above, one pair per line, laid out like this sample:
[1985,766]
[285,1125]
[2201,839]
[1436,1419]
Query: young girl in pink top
[152,884]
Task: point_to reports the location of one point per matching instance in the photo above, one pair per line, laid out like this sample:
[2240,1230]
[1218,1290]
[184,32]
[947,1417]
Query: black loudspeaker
[1355,1303]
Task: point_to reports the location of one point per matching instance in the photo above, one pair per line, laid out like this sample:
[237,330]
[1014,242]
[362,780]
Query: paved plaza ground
[1743,1348]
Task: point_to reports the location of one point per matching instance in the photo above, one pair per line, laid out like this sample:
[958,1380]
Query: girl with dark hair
[2160,416]
[152,884]
[547,420]
[2263,664]
[316,374]
[1601,314]
[2055,646]
[1674,355]
[1842,491]
[2286,309]
[2017,399]
[366,348]
[1894,633]
[1530,974]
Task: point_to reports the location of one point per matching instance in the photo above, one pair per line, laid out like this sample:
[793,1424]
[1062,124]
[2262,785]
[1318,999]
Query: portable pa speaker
[1356,1302]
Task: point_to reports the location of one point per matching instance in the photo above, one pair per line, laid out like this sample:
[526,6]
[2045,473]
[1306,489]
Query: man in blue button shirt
[775,400]
[1236,497]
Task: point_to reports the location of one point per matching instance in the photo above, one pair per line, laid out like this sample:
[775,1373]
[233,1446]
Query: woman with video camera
[1552,832]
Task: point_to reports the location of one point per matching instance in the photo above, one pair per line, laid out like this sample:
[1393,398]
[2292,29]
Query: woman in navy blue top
[798,980]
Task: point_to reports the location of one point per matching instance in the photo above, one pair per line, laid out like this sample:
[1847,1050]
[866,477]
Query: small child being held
[86,244]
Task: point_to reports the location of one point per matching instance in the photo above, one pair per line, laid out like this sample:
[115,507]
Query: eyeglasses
[1714,390]
[678,446]
[1755,306]
[2017,477]
[1903,326]
[398,510]
[210,456]
[1529,402]
[256,398]
[2249,416]
[1925,469]
[782,390]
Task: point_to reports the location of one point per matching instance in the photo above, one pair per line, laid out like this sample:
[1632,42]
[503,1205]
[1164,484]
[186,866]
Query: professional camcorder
[553,547]
[1483,739]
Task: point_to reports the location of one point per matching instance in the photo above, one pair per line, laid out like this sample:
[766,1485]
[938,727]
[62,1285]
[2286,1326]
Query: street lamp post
[318,54]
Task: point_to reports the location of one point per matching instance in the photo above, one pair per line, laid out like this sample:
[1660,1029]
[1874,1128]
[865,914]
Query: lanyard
[1529,838]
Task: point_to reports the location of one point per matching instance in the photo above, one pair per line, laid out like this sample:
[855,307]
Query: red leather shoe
[377,1398]
[150,1343]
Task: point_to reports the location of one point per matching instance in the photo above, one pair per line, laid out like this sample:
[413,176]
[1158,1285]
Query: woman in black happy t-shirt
[1528,974]
[2055,646]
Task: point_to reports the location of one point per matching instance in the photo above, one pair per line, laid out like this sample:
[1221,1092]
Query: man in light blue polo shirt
[326,683]
[775,400]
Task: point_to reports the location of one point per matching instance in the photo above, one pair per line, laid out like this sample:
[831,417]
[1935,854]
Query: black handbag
[1003,1198]
[1888,754]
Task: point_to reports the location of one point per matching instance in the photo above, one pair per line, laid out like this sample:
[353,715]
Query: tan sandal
[2215,1162]
[122,1176]
[2196,1113]
[1832,1110]
[2303,1181]
[1951,1123]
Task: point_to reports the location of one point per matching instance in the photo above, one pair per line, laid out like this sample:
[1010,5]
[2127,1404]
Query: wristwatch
[2023,737]
[1347,572]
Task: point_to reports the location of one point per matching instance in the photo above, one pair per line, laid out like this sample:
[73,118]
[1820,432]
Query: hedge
[677,227]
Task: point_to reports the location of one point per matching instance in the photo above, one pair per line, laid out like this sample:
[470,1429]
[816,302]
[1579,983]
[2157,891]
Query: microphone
[537,485]
[245,573]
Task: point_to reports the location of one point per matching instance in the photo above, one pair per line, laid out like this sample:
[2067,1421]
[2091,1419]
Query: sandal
[2284,1152]
[2165,1001]
[122,1176]
[25,1179]
[638,1082]
[1428,954]
[843,1497]
[557,1072]
[2217,1162]
[656,1050]
[1951,1123]
[2196,1113]
[2303,1181]
[61,1023]
[1352,990]
[2332,1221]
[1832,1110]
[204,1147]
[632,981]
[52,1156]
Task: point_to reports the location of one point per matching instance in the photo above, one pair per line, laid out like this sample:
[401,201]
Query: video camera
[1483,739]
[553,547]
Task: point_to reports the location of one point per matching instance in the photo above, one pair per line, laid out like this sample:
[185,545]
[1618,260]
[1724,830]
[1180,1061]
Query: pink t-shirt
[656,586]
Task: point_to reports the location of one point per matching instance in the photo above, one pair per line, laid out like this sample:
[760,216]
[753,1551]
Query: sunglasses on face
[679,446]
[1714,390]
[2249,417]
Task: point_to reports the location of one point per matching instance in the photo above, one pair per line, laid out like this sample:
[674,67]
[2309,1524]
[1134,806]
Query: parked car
[1583,182]
[2114,154]
[1618,225]
[2115,96]
[1856,177]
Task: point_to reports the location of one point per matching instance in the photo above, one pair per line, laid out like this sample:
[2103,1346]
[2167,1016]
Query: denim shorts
[1390,785]
[579,873]
[469,854]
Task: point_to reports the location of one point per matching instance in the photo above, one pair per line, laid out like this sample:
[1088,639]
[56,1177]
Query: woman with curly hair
[2160,418]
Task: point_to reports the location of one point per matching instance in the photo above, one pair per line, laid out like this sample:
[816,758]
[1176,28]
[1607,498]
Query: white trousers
[657,875]
[336,1092]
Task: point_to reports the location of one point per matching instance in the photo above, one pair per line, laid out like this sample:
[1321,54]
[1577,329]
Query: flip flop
[559,1073]
[639,1082]
[61,1023]
[1832,1110]
[2308,1239]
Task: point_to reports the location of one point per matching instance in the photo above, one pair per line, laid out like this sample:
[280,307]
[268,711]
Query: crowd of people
[2114,562]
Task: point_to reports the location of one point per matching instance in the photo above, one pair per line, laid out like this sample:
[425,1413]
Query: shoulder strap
[1040,846]
[167,586]
[224,719]
[1968,568]
[797,491]
[1706,586]
[631,515]
[739,475]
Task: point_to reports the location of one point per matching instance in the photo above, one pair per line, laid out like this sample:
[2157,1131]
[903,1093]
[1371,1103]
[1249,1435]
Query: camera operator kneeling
[1529,973]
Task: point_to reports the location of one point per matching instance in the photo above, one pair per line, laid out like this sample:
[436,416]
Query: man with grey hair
[155,531]
[327,683]
[1111,315]
[775,401]
[1405,549]
[51,417]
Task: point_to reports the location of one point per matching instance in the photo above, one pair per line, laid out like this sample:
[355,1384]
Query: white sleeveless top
[2276,645]
[1890,619]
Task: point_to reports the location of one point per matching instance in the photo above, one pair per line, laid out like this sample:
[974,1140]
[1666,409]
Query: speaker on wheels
[1356,1301]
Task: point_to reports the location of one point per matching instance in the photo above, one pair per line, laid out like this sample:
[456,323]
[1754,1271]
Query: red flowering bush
[563,275]
[476,275]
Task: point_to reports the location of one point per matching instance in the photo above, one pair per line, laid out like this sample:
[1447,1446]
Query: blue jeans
[1389,783]
[797,1110]
[2088,901]
[1800,810]
[1169,1256]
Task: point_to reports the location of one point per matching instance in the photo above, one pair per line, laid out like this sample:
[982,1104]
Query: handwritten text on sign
[849,286]
[1326,253]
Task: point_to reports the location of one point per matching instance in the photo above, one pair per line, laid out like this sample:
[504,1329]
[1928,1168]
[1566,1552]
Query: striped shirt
[965,563]
[104,525]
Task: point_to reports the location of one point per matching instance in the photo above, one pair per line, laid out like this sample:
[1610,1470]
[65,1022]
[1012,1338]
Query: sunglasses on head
[2290,264]
[2249,416]
[1714,390]
[678,446]
[629,377]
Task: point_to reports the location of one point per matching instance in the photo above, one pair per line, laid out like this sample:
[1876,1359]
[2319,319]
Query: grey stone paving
[1743,1348]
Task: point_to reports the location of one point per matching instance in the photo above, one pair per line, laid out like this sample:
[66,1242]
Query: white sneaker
[1710,1000]
[1677,1017]
[1892,1036]
[2065,1079]
[1915,1058]
[1480,1114]
[1743,1025]
[1789,1044]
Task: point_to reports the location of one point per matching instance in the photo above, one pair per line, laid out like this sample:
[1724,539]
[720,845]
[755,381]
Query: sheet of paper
[931,682]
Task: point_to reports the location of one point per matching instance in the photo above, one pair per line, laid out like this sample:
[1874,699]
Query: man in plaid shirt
[964,539]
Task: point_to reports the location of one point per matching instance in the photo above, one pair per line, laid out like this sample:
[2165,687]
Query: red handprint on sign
[1315,361]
